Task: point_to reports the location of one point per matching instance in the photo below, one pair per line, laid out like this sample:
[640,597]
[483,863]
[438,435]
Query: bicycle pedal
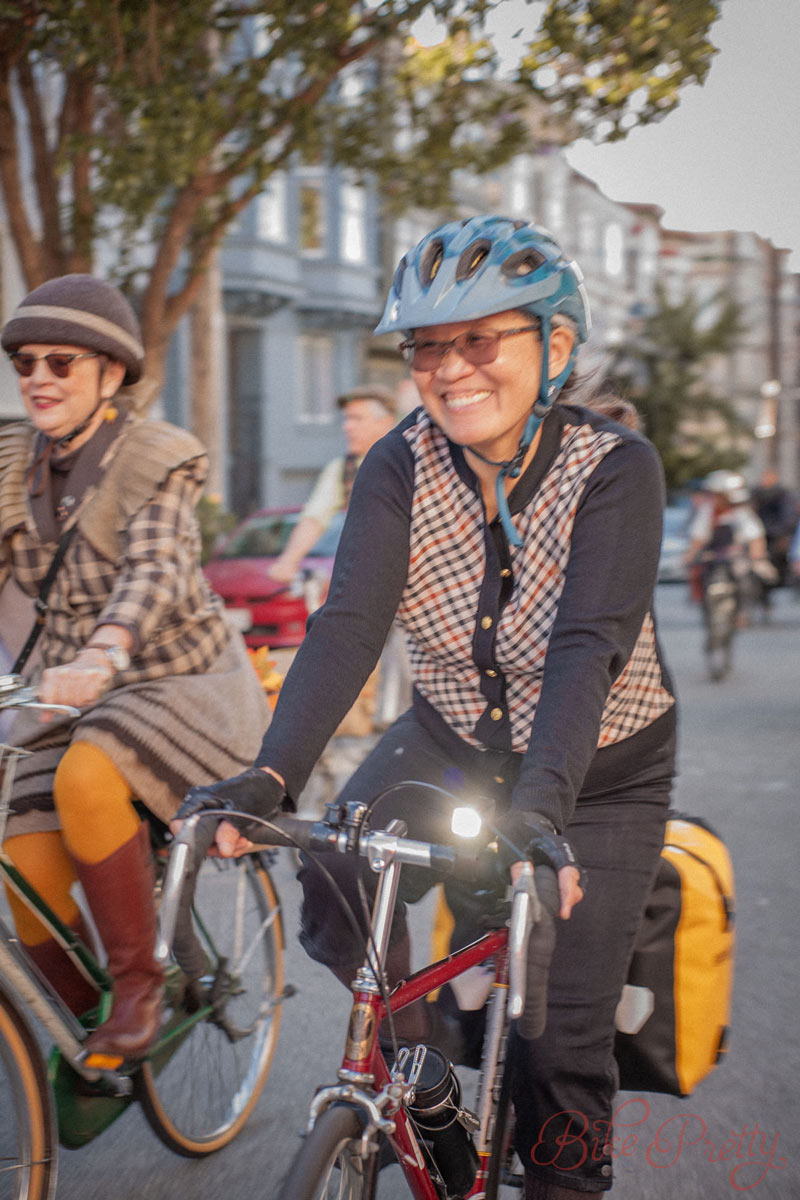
[103,1062]
[111,1084]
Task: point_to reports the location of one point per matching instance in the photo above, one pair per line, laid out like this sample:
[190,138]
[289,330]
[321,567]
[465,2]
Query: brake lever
[526,912]
[187,851]
[181,854]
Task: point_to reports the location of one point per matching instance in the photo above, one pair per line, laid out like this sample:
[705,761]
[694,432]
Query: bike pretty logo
[749,1154]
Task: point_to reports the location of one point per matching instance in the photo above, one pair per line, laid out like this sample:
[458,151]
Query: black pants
[564,1082]
[563,1116]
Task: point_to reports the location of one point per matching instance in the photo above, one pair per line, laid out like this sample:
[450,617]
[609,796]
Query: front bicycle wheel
[28,1139]
[328,1165]
[720,606]
[210,1065]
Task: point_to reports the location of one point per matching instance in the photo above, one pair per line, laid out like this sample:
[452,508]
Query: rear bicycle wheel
[198,1091]
[28,1139]
[328,1165]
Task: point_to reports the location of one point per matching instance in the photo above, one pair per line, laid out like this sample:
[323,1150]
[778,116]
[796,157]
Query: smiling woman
[131,636]
[515,536]
[474,386]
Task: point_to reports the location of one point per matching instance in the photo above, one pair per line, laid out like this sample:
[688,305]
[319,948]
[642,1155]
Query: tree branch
[44,175]
[83,207]
[28,247]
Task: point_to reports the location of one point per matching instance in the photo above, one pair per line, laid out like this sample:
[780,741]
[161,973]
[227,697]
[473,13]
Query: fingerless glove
[254,792]
[533,836]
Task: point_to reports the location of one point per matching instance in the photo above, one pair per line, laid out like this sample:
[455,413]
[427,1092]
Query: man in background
[368,412]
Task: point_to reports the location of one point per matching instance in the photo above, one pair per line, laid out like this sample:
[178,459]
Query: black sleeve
[345,637]
[608,590]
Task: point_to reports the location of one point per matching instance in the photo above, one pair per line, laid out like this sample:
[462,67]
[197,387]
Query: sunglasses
[476,347]
[59,365]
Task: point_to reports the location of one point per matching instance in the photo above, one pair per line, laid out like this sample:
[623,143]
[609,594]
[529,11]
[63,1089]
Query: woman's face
[486,406]
[57,406]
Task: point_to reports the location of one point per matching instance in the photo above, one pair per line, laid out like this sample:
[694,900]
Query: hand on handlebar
[569,887]
[537,838]
[254,791]
[77,683]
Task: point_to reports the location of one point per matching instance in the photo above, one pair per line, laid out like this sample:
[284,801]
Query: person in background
[132,637]
[777,509]
[794,559]
[516,536]
[726,526]
[368,413]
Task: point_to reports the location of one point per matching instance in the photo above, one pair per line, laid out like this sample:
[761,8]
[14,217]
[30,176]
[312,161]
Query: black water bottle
[435,1111]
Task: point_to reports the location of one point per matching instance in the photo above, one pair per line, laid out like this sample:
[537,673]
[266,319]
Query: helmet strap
[512,468]
[548,391]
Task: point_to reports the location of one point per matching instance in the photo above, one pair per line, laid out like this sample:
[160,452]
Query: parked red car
[270,613]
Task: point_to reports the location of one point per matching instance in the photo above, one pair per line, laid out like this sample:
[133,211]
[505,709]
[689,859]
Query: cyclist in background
[132,636]
[516,534]
[725,528]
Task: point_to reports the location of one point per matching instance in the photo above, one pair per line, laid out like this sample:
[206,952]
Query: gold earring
[111,413]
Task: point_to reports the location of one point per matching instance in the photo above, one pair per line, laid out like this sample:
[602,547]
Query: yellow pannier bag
[674,1013]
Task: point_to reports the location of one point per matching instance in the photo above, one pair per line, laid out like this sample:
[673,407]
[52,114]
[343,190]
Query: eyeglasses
[475,346]
[59,364]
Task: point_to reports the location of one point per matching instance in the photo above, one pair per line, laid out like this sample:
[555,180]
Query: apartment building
[301,280]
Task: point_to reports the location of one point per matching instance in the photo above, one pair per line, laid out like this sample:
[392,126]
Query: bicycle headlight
[465,822]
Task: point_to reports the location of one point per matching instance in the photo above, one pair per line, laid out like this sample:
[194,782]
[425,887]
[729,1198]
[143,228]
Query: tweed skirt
[163,735]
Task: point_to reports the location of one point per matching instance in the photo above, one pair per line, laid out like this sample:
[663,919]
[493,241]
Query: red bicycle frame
[363,1061]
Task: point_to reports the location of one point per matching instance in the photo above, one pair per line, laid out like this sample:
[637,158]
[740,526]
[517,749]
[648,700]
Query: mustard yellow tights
[97,817]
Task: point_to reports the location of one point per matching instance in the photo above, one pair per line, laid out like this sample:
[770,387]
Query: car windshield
[265,536]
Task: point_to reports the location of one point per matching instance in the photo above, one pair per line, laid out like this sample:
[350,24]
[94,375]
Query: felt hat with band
[79,310]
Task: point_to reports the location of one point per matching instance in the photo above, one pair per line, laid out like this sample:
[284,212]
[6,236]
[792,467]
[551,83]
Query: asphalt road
[738,1134]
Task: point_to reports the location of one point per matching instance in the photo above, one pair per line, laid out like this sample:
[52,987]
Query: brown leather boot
[75,990]
[120,894]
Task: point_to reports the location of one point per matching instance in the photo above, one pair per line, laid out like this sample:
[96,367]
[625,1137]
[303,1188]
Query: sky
[729,156]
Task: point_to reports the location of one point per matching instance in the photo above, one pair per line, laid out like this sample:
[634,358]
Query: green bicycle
[200,1082]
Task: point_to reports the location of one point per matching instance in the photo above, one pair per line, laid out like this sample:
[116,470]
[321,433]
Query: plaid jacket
[476,655]
[134,559]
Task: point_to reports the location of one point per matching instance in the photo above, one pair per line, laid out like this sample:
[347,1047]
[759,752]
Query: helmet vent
[431,261]
[472,259]
[524,262]
[397,283]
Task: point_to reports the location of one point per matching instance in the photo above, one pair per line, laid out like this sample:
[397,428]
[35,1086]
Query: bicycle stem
[368,976]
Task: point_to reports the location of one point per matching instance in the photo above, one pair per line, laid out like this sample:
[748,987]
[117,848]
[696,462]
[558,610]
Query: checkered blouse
[134,559]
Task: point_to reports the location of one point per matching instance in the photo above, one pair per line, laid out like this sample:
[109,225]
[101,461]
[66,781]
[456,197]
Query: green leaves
[609,65]
[664,370]
[151,124]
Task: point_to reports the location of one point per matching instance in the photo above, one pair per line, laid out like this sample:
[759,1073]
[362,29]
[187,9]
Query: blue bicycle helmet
[485,265]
